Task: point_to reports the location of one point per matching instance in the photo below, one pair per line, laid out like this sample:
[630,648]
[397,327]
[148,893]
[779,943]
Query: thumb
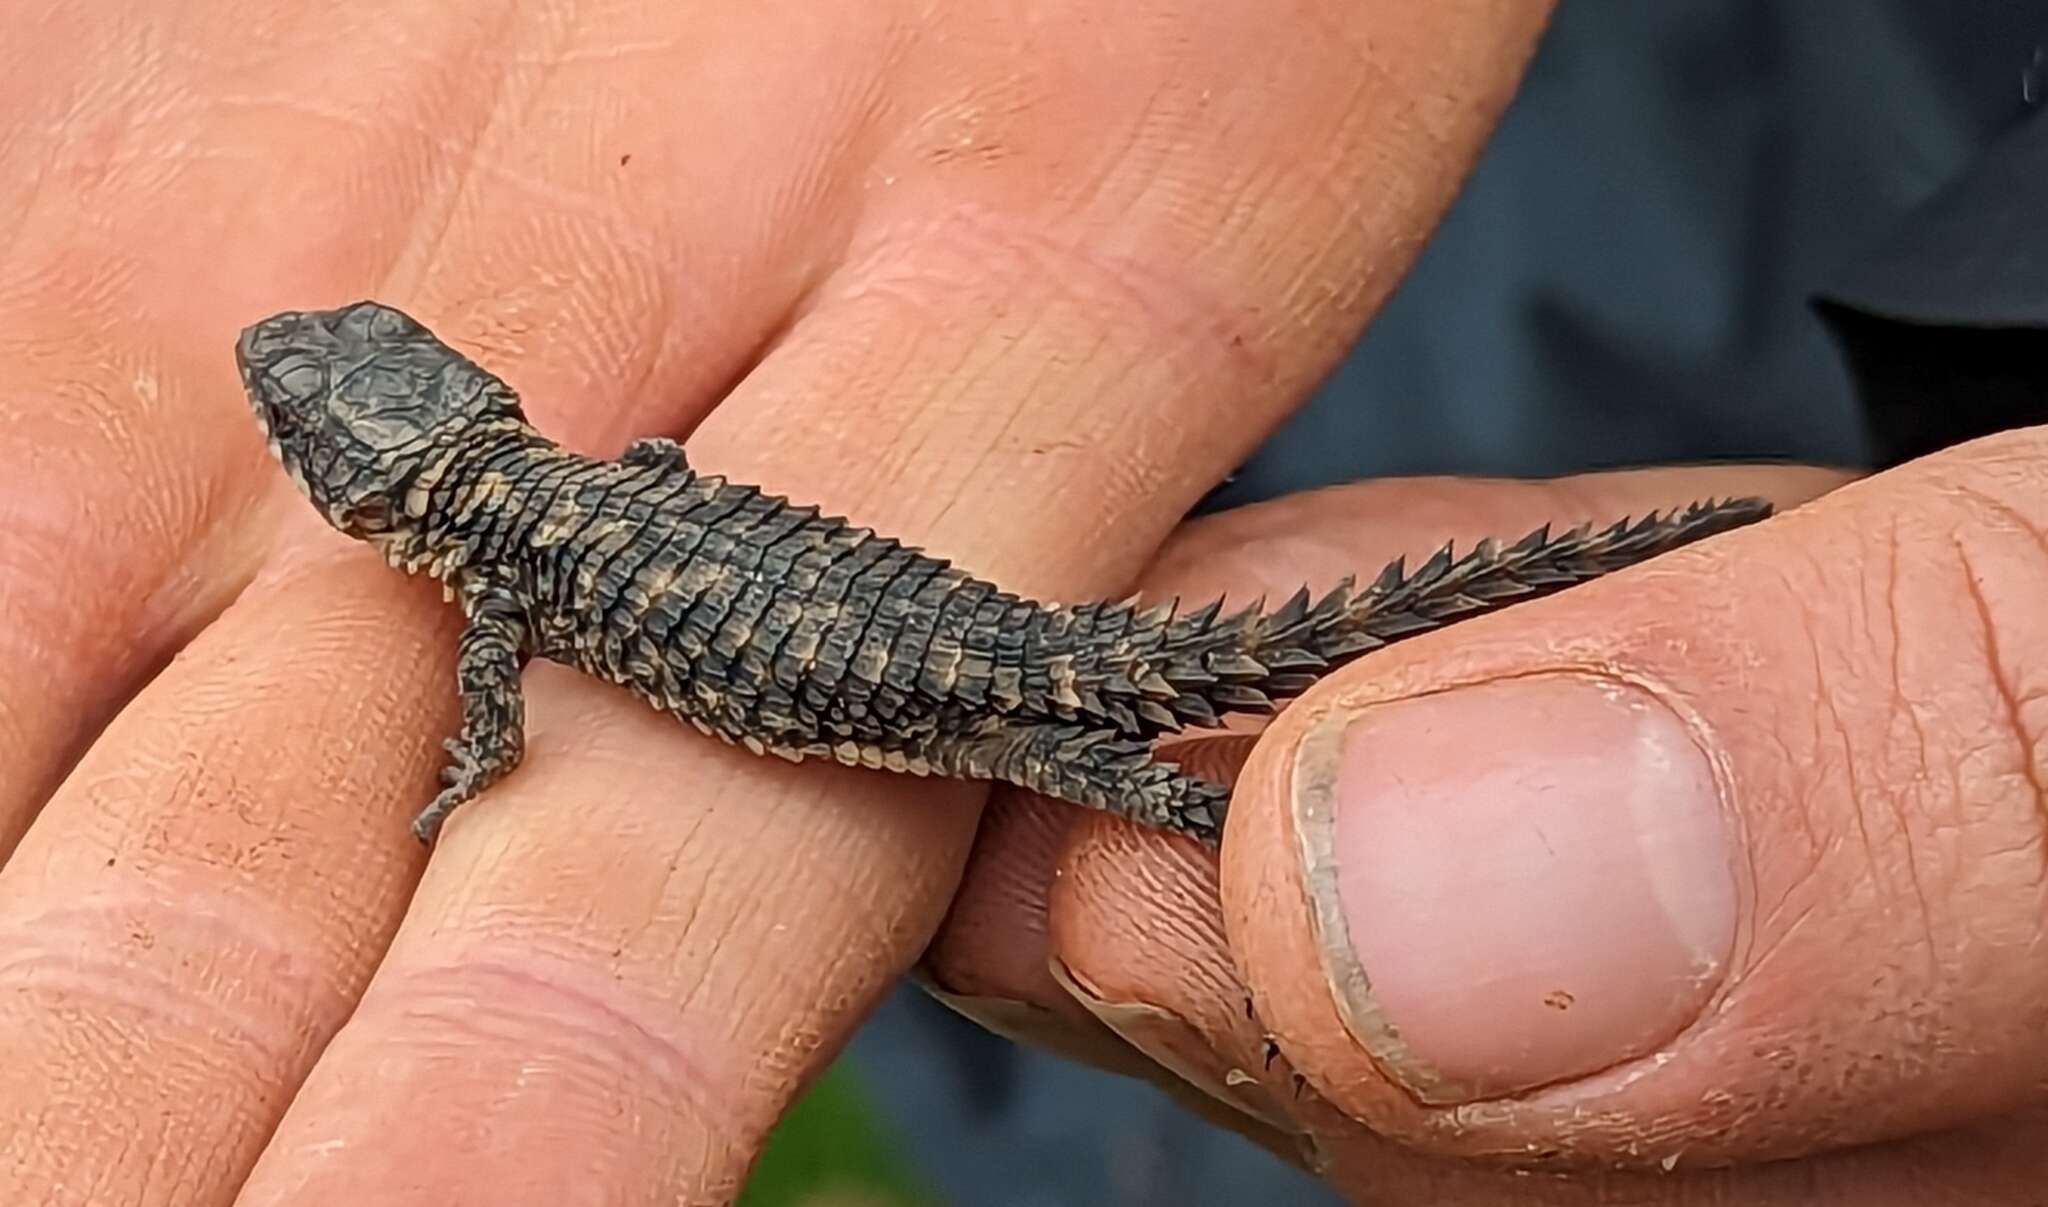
[1735,855]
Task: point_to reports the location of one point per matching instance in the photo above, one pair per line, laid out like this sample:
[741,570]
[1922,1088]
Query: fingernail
[1518,883]
[1170,1042]
[1033,1025]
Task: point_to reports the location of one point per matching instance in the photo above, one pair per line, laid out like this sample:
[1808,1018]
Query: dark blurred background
[1625,280]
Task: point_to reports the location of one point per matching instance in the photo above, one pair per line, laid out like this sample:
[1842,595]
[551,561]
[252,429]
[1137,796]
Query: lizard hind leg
[1093,767]
[655,452]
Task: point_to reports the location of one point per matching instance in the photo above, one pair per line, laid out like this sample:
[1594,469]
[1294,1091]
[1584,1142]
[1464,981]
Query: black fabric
[1628,277]
[1945,328]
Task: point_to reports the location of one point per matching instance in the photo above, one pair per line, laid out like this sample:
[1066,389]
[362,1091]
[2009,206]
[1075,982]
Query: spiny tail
[1150,671]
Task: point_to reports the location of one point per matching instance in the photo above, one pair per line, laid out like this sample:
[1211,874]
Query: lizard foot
[464,776]
[655,452]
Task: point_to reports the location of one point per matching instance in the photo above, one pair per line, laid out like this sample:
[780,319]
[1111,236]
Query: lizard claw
[427,826]
[463,767]
[462,775]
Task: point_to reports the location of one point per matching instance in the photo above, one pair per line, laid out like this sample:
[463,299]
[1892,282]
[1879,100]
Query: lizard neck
[454,505]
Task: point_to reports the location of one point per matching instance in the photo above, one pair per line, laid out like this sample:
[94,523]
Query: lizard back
[787,631]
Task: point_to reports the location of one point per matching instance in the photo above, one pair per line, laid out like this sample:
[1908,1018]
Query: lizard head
[366,408]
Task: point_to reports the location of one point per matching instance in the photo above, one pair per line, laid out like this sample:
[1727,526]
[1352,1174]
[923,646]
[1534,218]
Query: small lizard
[795,633]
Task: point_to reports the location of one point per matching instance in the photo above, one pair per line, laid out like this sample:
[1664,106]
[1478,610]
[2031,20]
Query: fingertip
[1815,938]
[1278,937]
[1138,941]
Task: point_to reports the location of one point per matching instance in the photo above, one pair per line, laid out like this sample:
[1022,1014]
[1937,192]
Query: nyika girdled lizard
[795,633]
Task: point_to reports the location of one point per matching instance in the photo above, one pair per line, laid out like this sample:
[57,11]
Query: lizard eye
[301,380]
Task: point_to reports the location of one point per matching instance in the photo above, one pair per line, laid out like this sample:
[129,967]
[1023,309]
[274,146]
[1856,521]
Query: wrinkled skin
[1013,281]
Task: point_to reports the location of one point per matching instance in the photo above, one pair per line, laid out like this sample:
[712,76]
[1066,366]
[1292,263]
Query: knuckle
[1927,750]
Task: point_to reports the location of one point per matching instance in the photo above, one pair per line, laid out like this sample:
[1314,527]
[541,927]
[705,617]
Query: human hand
[1718,880]
[1014,283]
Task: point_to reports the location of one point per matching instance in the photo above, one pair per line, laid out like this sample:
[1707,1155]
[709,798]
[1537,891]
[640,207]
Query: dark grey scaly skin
[793,633]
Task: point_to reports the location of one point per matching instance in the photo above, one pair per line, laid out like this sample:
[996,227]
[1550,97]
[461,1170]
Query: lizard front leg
[493,651]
